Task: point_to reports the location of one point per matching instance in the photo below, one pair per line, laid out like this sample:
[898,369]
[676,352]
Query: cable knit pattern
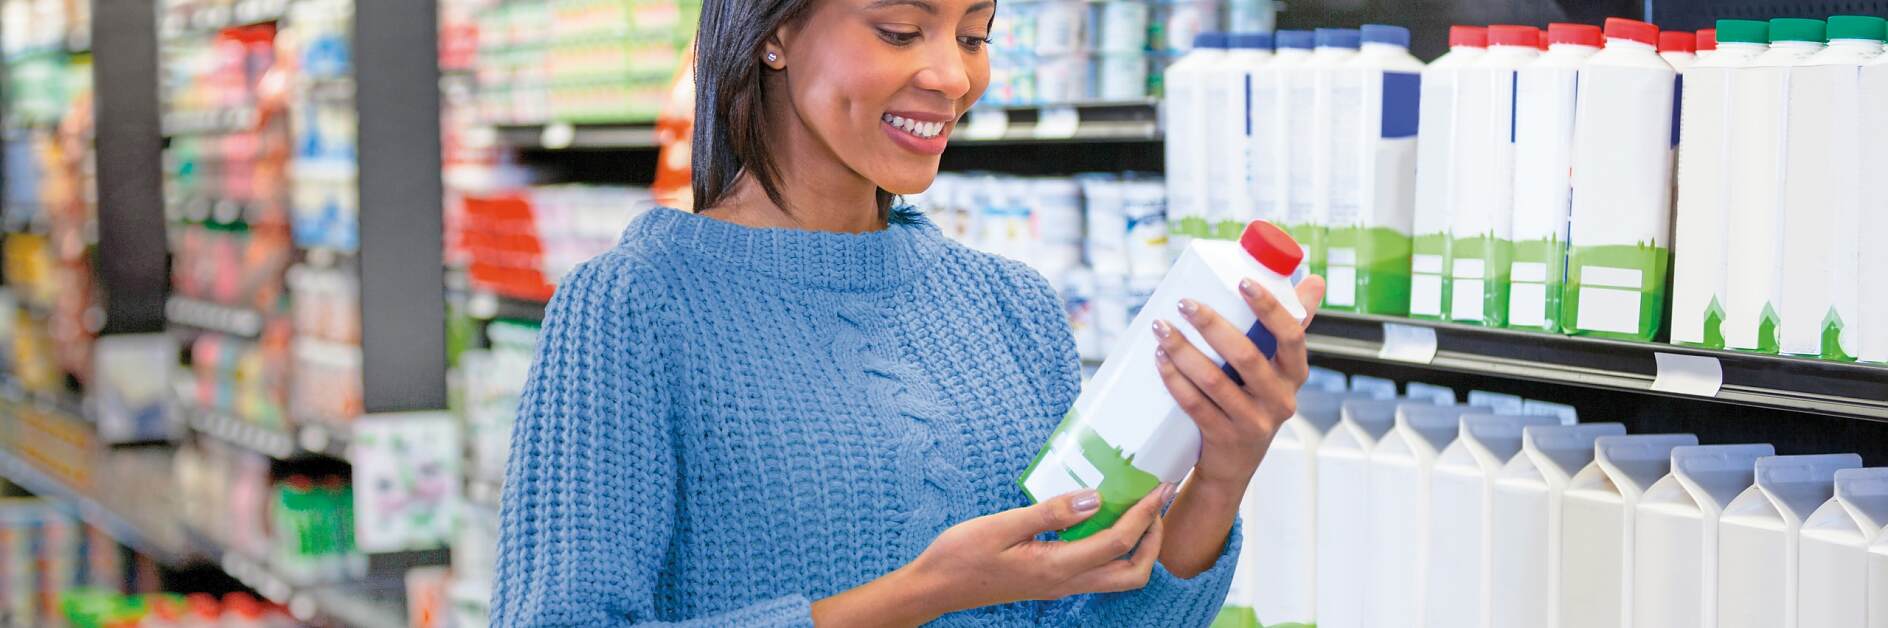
[726,423]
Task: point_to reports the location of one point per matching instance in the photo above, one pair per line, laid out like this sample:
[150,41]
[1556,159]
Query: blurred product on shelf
[44,554]
[1104,276]
[301,526]
[408,466]
[90,608]
[519,244]
[587,61]
[1046,52]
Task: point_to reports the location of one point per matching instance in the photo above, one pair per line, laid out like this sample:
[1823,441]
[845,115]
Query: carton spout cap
[1275,249]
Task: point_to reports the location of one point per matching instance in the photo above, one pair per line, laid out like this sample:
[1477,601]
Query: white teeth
[921,129]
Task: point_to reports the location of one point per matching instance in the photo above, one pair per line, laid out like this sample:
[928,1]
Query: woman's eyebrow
[922,5]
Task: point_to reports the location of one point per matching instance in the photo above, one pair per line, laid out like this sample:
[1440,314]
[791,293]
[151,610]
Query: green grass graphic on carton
[1122,483]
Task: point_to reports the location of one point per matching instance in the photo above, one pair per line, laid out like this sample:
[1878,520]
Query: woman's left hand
[1237,422]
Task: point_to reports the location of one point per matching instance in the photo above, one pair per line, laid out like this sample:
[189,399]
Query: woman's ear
[773,51]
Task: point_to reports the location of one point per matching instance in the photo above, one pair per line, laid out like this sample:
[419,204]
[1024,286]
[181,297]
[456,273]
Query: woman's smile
[918,132]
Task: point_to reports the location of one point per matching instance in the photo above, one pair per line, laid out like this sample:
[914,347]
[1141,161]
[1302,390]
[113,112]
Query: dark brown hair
[730,82]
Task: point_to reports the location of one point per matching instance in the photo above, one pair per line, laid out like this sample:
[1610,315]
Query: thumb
[1311,295]
[1060,513]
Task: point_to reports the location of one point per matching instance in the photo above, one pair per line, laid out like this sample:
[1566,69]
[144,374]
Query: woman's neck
[821,193]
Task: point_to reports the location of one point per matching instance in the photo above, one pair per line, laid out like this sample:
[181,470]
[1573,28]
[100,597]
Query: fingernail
[1087,501]
[1160,355]
[1161,329]
[1250,287]
[1166,494]
[1189,308]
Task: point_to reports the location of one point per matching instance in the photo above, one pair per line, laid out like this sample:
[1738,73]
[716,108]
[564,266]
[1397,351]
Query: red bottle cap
[1677,41]
[1508,35]
[1274,248]
[1576,34]
[1632,30]
[1543,38]
[1707,40]
[1471,36]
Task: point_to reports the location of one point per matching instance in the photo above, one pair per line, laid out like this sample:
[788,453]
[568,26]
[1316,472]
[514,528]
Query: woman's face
[881,83]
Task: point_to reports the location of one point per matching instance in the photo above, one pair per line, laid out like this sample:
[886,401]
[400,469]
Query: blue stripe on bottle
[1678,97]
[1514,102]
[1248,107]
[1268,345]
[1402,97]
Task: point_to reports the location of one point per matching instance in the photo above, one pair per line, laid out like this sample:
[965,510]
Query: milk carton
[1229,200]
[1313,94]
[1481,231]
[1125,435]
[1822,194]
[1832,590]
[1524,521]
[1675,563]
[1597,526]
[1758,538]
[1459,584]
[1278,566]
[1878,582]
[1276,127]
[1344,559]
[1373,175]
[1678,49]
[1700,284]
[1756,173]
[1435,171]
[1186,123]
[1400,468]
[1874,228]
[1622,188]
[1543,186]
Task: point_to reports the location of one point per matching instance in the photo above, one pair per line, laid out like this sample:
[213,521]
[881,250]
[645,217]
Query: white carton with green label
[1832,591]
[1481,231]
[1597,526]
[1344,561]
[1544,97]
[1676,563]
[1459,588]
[1373,175]
[1126,435]
[1524,515]
[1440,116]
[1758,538]
[1874,305]
[1700,278]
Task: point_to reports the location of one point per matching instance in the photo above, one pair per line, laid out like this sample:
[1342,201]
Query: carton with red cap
[1481,234]
[1620,238]
[1439,116]
[1543,159]
[1126,435]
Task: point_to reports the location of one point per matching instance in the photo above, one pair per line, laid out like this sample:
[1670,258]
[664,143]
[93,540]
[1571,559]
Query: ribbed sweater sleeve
[1167,600]
[590,487]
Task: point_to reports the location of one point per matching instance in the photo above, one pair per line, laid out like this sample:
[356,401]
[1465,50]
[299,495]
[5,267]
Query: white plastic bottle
[1756,218]
[1435,171]
[1759,537]
[1125,434]
[1228,130]
[1675,563]
[1874,228]
[1679,49]
[1823,185]
[1186,124]
[1543,186]
[1312,84]
[1619,245]
[1700,283]
[1373,175]
[1272,124]
[1482,231]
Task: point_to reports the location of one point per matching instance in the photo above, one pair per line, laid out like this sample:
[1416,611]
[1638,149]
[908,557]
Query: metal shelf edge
[114,524]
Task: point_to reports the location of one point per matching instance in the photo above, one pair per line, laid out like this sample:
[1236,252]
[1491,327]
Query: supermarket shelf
[1833,388]
[366,603]
[206,21]
[209,122]
[280,444]
[131,510]
[62,403]
[485,306]
[222,319]
[1130,122]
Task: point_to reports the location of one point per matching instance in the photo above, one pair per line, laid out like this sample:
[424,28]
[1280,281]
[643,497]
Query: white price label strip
[1408,343]
[1058,123]
[987,124]
[1688,375]
[558,136]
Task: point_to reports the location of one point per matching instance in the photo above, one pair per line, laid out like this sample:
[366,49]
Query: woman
[802,405]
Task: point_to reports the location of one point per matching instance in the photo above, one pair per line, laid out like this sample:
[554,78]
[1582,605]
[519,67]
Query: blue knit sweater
[727,423]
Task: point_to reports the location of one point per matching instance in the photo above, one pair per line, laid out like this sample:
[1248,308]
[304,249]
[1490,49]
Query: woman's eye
[898,38]
[973,43]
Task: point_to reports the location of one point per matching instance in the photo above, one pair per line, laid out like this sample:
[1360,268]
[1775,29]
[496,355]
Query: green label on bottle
[1431,246]
[1121,484]
[1496,256]
[1550,256]
[1615,291]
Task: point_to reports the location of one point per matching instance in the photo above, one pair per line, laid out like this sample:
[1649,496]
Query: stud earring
[773,57]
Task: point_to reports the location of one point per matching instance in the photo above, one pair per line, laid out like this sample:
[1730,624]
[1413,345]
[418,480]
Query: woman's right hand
[996,559]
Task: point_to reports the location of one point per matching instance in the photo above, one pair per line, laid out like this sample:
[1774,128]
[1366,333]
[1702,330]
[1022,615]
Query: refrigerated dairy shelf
[1844,389]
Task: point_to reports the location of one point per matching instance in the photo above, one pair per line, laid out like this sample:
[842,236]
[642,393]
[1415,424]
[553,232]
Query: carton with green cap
[1874,227]
[1704,183]
[1822,193]
[1757,147]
